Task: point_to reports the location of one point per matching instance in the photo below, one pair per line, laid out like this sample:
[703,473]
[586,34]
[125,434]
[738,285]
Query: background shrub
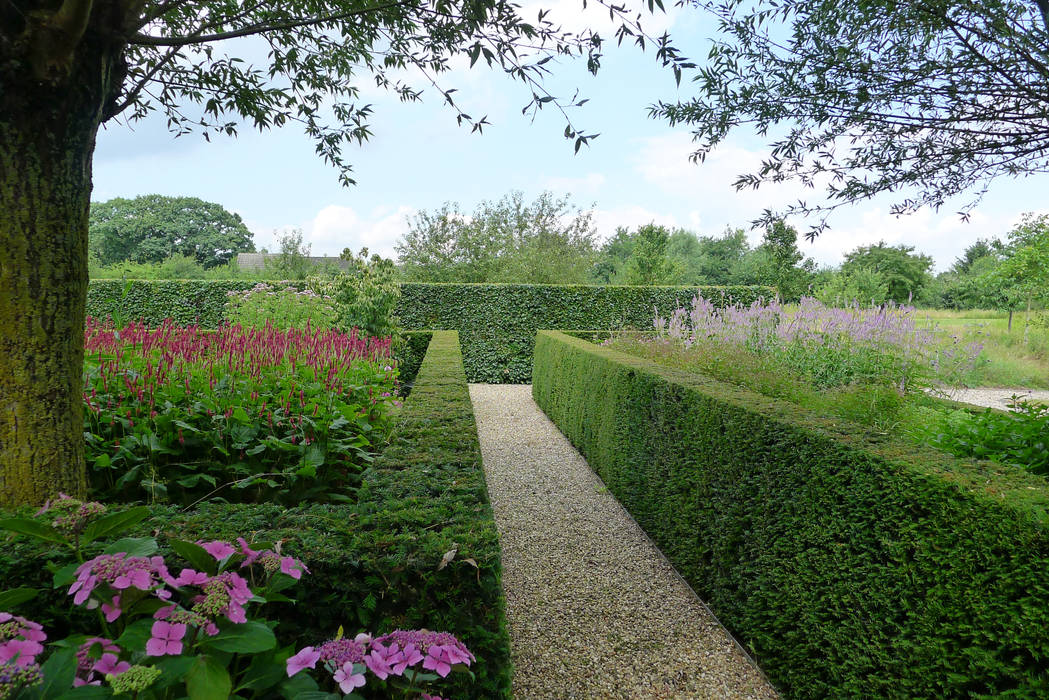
[850,566]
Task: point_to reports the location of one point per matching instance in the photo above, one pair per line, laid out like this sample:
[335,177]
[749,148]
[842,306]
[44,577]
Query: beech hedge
[375,564]
[850,565]
[497,323]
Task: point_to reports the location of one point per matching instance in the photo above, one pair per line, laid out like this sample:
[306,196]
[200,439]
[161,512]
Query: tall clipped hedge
[375,564]
[496,322]
[851,567]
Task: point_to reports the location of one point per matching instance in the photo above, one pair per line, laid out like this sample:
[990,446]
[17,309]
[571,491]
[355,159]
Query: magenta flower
[22,651]
[347,679]
[112,611]
[189,577]
[250,555]
[307,658]
[292,567]
[218,549]
[409,656]
[439,659]
[166,639]
[109,664]
[377,662]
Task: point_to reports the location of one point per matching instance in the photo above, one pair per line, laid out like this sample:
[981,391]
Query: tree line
[552,241]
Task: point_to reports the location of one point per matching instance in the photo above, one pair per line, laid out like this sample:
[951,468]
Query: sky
[636,172]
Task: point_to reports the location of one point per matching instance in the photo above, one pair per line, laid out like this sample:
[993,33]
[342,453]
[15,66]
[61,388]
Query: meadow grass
[1017,357]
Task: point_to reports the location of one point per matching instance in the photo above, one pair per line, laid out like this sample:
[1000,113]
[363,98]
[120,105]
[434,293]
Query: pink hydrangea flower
[306,658]
[189,577]
[218,549]
[439,659]
[347,679]
[166,639]
[21,652]
[112,610]
[292,567]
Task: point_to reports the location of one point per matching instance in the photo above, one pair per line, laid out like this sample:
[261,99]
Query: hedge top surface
[1009,487]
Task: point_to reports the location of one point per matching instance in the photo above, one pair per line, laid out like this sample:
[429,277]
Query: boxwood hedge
[375,564]
[850,566]
[496,322]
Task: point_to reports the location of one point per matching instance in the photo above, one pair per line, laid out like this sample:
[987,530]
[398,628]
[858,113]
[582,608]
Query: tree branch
[147,40]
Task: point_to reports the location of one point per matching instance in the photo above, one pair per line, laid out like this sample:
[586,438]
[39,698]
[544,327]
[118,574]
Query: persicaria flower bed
[177,414]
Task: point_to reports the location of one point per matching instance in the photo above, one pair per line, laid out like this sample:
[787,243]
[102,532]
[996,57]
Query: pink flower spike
[307,658]
[218,549]
[347,679]
[166,639]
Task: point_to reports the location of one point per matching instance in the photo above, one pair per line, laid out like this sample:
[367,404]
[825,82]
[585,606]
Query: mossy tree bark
[54,83]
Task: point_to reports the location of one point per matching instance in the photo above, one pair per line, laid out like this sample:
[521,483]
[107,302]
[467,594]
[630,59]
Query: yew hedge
[850,566]
[497,323]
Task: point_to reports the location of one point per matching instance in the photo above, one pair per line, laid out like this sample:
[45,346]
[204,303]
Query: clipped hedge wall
[374,564]
[496,322]
[851,567]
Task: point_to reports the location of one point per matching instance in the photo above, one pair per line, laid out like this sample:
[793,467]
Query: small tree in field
[67,66]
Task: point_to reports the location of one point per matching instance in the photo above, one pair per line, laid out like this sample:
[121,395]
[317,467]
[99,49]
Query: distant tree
[613,256]
[905,271]
[856,285]
[707,259]
[649,263]
[293,258]
[1024,270]
[546,241]
[784,269]
[152,228]
[982,248]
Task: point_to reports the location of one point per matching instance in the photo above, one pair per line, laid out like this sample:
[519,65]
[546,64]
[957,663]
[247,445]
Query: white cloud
[588,184]
[336,227]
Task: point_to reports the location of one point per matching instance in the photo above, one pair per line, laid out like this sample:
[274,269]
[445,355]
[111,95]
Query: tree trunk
[47,138]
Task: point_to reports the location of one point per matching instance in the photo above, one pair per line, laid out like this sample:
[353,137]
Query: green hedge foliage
[375,565]
[497,323]
[851,567]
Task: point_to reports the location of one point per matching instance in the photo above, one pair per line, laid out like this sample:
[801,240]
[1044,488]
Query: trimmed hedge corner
[375,564]
[496,322]
[850,567]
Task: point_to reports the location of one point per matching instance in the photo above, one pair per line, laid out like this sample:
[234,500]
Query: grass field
[1008,358]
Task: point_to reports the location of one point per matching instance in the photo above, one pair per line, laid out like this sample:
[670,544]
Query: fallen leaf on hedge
[447,558]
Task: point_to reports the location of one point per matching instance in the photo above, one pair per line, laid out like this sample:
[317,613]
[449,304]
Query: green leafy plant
[1019,438]
[162,636]
[174,414]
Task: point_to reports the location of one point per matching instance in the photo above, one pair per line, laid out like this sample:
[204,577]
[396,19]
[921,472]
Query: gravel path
[595,610]
[995,398]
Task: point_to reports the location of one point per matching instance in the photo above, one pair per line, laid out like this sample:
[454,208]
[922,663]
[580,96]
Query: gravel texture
[594,609]
[995,398]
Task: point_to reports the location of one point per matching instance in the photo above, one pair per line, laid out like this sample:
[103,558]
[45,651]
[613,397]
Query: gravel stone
[594,608]
[994,397]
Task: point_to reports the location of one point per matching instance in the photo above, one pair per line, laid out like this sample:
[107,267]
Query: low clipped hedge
[497,323]
[850,566]
[375,565]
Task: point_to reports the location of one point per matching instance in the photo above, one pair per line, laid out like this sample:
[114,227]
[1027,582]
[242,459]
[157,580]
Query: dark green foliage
[408,350]
[496,322]
[905,271]
[374,564]
[850,567]
[152,228]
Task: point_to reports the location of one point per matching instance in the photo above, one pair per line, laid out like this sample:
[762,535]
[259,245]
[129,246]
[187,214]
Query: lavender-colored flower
[347,679]
[166,639]
[306,658]
[218,549]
